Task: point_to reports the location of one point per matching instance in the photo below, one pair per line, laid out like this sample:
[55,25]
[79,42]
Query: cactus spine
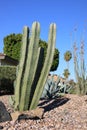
[31,76]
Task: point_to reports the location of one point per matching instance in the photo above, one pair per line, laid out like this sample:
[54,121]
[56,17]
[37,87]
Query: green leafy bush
[7,77]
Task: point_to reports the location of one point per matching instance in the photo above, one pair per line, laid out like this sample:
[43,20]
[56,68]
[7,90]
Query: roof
[2,56]
[5,57]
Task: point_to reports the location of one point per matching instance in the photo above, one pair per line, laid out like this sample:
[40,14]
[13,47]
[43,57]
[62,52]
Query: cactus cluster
[32,73]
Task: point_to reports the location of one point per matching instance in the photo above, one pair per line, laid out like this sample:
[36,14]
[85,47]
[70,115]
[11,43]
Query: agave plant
[54,88]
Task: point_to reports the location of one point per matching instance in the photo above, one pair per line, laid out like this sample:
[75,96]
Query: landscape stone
[1,127]
[31,114]
[4,114]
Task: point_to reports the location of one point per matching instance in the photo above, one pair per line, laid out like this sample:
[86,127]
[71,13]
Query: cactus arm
[31,78]
[31,66]
[46,67]
[21,66]
[37,74]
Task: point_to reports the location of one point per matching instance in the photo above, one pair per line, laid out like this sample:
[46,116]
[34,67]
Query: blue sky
[67,14]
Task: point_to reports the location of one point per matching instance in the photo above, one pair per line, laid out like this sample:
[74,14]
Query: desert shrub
[80,70]
[7,77]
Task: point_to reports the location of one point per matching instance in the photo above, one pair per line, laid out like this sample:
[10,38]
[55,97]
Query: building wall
[6,62]
[0,62]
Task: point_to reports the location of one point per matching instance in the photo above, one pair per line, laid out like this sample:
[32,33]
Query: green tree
[12,46]
[67,57]
[66,73]
[56,55]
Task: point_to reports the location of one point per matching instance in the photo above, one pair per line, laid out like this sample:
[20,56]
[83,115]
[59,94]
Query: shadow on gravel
[2,93]
[53,103]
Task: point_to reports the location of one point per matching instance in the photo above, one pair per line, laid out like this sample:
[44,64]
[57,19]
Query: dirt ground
[66,113]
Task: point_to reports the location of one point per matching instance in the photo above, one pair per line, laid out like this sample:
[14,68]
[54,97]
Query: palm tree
[67,57]
[66,73]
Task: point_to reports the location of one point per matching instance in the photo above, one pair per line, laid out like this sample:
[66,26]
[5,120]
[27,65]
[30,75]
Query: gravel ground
[67,113]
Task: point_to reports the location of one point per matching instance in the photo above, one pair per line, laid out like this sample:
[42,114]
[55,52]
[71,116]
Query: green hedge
[7,77]
[8,72]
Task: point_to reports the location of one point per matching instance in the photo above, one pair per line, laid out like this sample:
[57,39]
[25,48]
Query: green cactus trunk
[21,67]
[31,65]
[46,67]
[32,74]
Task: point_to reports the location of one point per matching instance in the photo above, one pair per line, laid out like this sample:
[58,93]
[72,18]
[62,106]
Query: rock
[1,127]
[37,113]
[4,114]
[31,114]
[15,115]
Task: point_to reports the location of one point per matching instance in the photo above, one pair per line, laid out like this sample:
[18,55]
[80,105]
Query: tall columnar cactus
[32,74]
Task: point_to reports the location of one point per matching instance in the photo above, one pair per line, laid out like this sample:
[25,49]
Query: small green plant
[32,74]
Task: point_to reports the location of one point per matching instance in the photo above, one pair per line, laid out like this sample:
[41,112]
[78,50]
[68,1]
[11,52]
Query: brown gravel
[67,113]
